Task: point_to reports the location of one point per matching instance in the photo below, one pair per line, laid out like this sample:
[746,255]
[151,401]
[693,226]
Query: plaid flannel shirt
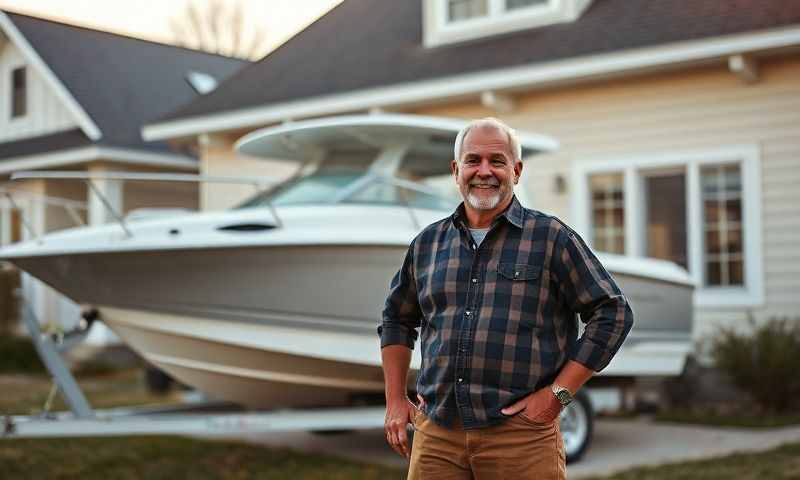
[499,321]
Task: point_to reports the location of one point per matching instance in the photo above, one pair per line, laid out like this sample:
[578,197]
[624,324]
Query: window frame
[438,30]
[634,169]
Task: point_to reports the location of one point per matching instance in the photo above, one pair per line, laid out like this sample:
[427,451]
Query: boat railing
[89,178]
[72,207]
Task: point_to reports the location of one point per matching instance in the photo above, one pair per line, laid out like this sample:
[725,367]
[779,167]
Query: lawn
[25,394]
[781,463]
[172,458]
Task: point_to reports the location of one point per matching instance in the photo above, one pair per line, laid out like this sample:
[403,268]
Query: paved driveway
[617,444]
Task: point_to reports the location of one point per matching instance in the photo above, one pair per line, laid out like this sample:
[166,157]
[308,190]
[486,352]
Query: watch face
[563,396]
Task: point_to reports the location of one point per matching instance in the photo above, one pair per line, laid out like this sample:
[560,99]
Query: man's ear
[454,169]
[517,171]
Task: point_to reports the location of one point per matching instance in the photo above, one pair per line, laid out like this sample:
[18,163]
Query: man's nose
[484,169]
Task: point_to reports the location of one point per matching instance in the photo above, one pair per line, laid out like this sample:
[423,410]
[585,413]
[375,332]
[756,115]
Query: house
[72,98]
[679,122]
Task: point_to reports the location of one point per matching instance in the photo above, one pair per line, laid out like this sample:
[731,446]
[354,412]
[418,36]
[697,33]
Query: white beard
[483,203]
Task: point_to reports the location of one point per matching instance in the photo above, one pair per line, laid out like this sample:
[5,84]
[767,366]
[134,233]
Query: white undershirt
[478,234]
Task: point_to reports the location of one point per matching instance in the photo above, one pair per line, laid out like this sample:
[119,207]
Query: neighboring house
[73,98]
[679,121]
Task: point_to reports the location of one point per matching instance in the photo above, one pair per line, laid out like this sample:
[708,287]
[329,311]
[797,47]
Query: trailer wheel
[577,425]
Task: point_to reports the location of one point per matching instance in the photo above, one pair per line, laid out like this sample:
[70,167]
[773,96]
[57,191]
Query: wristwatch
[563,395]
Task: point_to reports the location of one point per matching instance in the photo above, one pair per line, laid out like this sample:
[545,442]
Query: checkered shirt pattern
[499,320]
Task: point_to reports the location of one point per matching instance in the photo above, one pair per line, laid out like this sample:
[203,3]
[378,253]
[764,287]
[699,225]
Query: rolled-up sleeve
[590,291]
[401,314]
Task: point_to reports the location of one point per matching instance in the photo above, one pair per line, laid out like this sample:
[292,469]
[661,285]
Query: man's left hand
[540,406]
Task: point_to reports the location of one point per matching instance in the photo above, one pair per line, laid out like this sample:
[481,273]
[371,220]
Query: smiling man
[496,291]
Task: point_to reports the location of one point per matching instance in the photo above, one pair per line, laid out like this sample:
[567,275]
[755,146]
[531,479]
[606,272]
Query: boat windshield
[325,188]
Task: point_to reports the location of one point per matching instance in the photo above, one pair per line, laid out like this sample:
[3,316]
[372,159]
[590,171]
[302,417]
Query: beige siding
[45,112]
[707,108]
[160,195]
[219,159]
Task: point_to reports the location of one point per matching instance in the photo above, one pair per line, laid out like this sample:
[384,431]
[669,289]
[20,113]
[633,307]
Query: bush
[18,355]
[765,362]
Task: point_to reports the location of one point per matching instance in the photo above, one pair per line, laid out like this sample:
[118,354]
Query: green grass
[26,394]
[781,463]
[741,420]
[172,458]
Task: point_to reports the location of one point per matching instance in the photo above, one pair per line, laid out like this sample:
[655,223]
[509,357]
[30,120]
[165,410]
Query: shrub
[18,355]
[764,362]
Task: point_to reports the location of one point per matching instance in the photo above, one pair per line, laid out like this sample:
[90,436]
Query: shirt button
[474,280]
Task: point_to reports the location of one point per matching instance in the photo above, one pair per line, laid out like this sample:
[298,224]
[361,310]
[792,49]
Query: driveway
[617,444]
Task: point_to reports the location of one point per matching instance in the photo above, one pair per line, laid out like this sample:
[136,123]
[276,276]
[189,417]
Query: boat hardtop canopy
[435,136]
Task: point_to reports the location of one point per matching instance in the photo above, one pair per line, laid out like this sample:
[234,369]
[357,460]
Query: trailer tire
[577,426]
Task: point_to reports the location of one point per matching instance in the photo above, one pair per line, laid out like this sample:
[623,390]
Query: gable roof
[364,45]
[119,82]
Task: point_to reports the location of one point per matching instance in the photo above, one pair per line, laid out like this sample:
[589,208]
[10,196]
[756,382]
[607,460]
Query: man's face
[487,171]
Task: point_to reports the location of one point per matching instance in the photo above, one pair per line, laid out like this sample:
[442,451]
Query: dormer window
[19,92]
[451,21]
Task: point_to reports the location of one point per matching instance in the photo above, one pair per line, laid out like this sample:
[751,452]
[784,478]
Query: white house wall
[45,112]
[704,109]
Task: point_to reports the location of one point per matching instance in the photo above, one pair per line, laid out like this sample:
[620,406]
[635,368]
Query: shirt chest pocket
[517,272]
[518,288]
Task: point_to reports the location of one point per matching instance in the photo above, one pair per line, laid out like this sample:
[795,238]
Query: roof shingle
[373,43]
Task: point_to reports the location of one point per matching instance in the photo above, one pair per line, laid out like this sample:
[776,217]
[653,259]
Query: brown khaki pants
[516,449]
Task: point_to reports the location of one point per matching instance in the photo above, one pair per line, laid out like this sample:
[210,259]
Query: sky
[150,19]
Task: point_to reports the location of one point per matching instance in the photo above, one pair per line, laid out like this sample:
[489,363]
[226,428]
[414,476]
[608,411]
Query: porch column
[97,214]
[111,190]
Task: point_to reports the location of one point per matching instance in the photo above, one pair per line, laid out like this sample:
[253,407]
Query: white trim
[748,156]
[530,76]
[35,61]
[91,153]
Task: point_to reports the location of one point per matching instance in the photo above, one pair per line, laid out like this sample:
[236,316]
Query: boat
[275,302]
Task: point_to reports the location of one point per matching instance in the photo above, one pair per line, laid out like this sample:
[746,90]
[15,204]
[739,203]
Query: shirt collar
[514,214]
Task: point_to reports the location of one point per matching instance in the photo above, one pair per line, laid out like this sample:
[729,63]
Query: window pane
[712,242]
[608,212]
[19,94]
[713,273]
[724,239]
[666,217]
[512,4]
[465,9]
[733,210]
[736,273]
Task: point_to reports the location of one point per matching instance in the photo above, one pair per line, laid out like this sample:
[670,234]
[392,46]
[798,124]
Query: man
[495,289]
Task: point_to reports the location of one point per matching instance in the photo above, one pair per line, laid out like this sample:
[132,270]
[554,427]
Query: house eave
[87,125]
[81,155]
[579,69]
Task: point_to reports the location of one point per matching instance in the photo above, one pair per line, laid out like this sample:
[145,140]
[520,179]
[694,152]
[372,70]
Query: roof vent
[201,82]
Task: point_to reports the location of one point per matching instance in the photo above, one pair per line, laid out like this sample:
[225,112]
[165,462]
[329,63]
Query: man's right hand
[399,413]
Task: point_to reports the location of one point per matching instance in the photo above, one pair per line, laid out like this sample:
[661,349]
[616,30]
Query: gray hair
[489,122]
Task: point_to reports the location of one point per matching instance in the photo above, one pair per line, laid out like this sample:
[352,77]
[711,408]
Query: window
[449,21]
[700,210]
[608,213]
[665,213]
[722,224]
[458,10]
[18,92]
[515,4]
